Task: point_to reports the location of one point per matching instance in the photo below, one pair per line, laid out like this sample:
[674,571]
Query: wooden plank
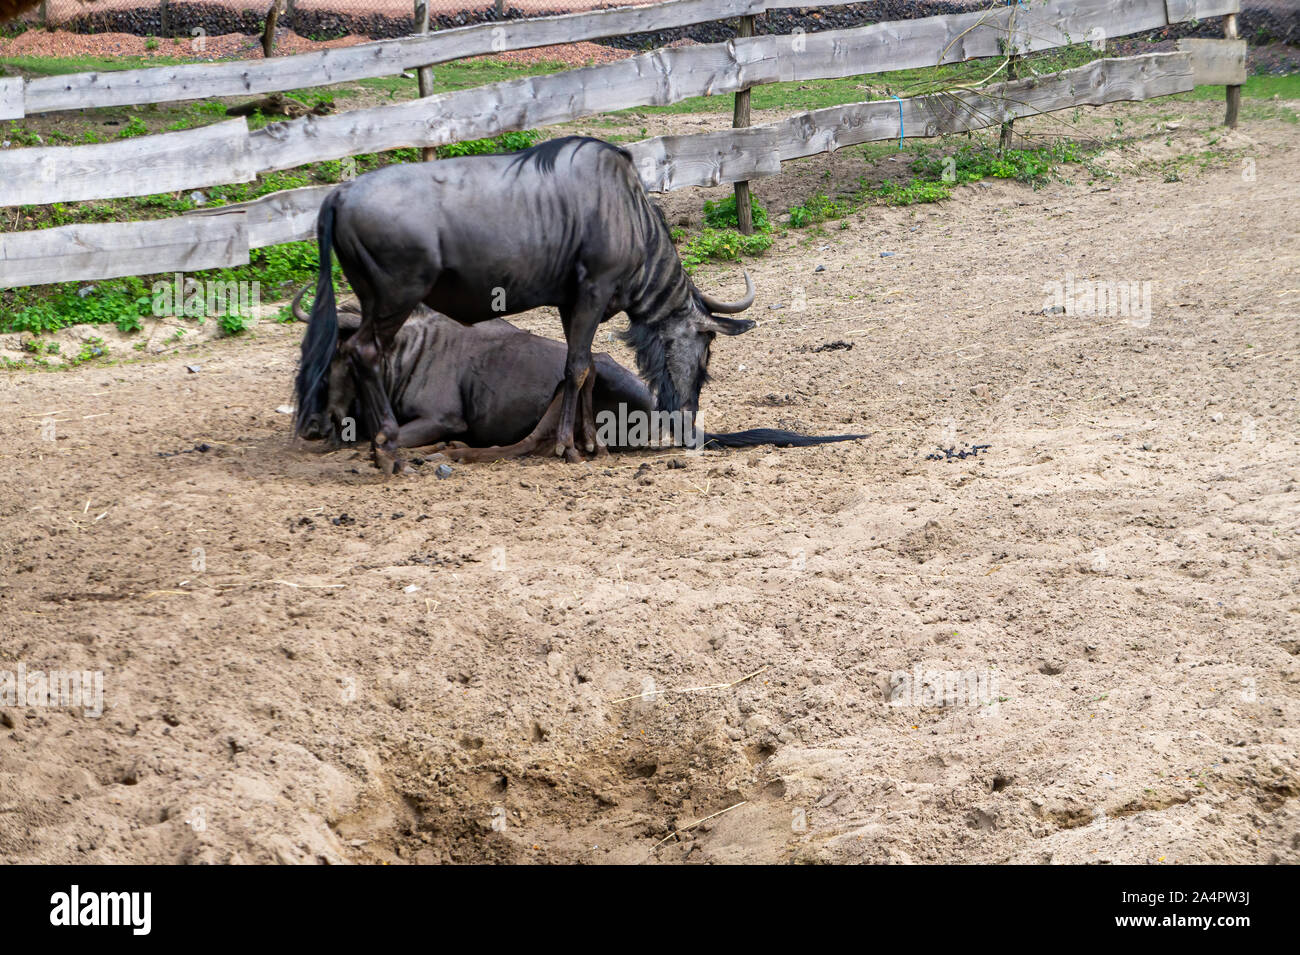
[902,43]
[1232,92]
[706,159]
[483,38]
[658,78]
[109,250]
[952,38]
[1216,62]
[1062,22]
[1179,11]
[145,165]
[885,46]
[1099,82]
[366,60]
[159,84]
[11,97]
[221,237]
[288,216]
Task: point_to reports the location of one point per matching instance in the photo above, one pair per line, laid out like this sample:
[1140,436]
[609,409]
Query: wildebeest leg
[580,324]
[365,351]
[420,433]
[537,438]
[587,417]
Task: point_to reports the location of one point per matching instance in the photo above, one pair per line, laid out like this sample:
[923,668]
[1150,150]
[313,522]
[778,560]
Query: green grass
[1286,86]
[722,214]
[59,65]
[726,245]
[127,302]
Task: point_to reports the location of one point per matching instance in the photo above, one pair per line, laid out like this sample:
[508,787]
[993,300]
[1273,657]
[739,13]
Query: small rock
[284,409]
[410,588]
[193,369]
[820,268]
[443,471]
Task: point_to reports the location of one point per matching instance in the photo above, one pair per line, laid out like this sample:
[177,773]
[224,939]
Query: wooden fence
[228,152]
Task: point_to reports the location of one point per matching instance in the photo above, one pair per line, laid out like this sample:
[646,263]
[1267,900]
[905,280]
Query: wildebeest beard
[671,345]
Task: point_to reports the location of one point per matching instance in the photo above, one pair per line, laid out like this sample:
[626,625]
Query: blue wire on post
[900,123]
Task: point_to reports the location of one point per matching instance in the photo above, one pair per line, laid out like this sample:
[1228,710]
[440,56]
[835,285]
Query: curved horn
[298,312]
[730,308]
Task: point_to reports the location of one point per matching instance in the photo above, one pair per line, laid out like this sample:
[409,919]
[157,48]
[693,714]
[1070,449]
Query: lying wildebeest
[489,387]
[565,223]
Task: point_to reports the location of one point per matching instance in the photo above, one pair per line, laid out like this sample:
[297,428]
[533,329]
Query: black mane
[545,154]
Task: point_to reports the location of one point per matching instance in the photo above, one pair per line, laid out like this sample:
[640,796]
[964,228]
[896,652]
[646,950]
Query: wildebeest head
[673,353]
[328,423]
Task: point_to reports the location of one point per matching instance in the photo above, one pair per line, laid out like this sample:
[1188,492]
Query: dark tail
[312,384]
[755,437]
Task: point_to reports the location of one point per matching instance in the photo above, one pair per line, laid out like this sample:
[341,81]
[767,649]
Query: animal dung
[952,454]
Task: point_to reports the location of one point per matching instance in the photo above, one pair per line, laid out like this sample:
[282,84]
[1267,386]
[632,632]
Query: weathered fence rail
[363,61]
[664,163]
[67,173]
[227,152]
[1042,24]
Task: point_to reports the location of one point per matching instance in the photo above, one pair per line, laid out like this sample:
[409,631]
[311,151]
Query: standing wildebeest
[488,387]
[565,223]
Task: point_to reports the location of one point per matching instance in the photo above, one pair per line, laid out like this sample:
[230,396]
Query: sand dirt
[304,662]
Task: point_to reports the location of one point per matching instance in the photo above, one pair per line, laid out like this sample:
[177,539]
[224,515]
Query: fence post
[1013,63]
[164,19]
[1008,128]
[739,120]
[1234,92]
[43,16]
[424,73]
[268,32]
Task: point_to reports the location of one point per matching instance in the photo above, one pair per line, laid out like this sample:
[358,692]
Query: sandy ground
[305,662]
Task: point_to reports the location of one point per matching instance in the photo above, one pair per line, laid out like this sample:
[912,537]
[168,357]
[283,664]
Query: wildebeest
[489,387]
[565,223]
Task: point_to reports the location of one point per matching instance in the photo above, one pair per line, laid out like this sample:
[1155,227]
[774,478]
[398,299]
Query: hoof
[388,461]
